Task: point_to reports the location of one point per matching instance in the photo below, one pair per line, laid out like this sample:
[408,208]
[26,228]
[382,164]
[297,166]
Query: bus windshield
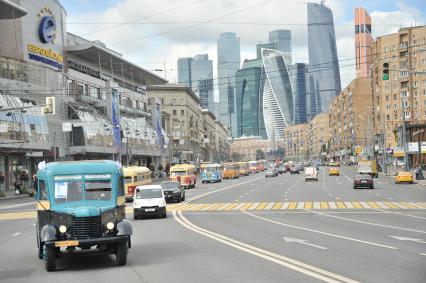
[178,173]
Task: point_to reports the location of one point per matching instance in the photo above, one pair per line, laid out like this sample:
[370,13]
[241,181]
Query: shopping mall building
[101,107]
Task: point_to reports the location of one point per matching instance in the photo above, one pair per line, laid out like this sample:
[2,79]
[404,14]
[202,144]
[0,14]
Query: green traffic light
[385,77]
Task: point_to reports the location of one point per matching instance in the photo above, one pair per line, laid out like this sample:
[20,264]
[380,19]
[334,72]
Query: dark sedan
[173,191]
[363,181]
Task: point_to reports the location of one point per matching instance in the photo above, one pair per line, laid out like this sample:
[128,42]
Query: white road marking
[414,204]
[239,206]
[301,267]
[332,205]
[303,242]
[254,205]
[365,222]
[16,205]
[348,204]
[346,176]
[270,205]
[402,214]
[407,239]
[364,204]
[316,205]
[285,205]
[381,204]
[422,254]
[321,232]
[300,205]
[16,234]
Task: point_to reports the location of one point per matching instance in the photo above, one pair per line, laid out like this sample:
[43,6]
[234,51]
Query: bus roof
[134,170]
[213,165]
[182,167]
[80,167]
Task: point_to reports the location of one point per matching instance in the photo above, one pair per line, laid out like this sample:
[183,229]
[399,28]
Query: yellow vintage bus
[231,170]
[244,168]
[185,174]
[135,176]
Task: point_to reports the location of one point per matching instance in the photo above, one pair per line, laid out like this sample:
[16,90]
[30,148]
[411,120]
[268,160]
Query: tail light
[178,178]
[186,180]
[131,189]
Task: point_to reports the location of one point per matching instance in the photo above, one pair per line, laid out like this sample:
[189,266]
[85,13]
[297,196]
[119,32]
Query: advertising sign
[423,147]
[398,152]
[413,147]
[358,150]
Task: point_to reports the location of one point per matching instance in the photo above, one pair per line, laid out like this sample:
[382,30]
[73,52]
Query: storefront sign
[84,69]
[423,147]
[358,150]
[47,56]
[413,147]
[398,152]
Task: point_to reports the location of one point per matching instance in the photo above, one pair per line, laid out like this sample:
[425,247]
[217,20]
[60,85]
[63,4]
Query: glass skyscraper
[282,39]
[249,82]
[278,111]
[228,62]
[184,71]
[298,85]
[323,60]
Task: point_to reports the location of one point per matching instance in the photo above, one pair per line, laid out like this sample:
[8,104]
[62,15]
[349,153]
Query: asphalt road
[253,229]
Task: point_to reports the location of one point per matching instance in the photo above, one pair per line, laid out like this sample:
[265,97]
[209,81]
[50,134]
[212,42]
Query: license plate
[66,244]
[149,209]
[363,181]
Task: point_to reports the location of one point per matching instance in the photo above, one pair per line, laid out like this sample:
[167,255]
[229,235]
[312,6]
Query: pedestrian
[18,186]
[416,172]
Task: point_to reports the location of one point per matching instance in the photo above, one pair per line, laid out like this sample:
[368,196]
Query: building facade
[363,43]
[298,79]
[253,148]
[351,120]
[296,141]
[184,71]
[228,62]
[282,40]
[278,111]
[319,135]
[323,60]
[202,80]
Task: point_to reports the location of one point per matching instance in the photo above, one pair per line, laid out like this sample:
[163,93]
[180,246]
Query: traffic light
[385,71]
[50,106]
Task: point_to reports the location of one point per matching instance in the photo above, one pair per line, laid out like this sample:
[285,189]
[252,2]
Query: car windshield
[211,169]
[178,173]
[170,186]
[148,193]
[364,177]
[68,191]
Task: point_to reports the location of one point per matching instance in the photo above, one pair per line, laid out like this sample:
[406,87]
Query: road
[253,229]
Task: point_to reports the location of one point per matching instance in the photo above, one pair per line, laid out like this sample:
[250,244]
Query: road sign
[398,152]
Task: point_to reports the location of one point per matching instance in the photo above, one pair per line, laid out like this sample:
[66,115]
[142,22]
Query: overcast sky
[151,33]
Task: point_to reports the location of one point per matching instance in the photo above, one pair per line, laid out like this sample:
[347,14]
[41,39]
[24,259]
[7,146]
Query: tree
[260,154]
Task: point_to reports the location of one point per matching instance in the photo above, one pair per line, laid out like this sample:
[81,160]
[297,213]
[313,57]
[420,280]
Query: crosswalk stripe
[356,205]
[390,205]
[292,205]
[231,206]
[214,207]
[285,205]
[340,205]
[238,207]
[381,204]
[300,205]
[277,205]
[270,205]
[422,205]
[246,206]
[316,205]
[209,206]
[323,205]
[223,207]
[408,205]
[262,205]
[200,207]
[254,206]
[415,204]
[373,205]
[399,205]
[348,204]
[332,205]
[308,205]
[364,204]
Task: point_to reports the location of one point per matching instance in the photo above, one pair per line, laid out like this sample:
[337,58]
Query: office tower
[323,61]
[277,94]
[249,82]
[282,39]
[268,45]
[363,43]
[184,71]
[228,62]
[298,85]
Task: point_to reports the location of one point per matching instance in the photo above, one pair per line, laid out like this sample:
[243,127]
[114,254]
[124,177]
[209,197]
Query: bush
[2,194]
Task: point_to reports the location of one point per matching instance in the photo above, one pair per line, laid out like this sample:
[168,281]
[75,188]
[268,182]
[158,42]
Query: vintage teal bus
[81,206]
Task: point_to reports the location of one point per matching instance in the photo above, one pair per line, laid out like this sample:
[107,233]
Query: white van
[149,200]
[311,173]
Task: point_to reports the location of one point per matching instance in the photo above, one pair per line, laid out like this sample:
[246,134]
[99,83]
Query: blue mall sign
[46,29]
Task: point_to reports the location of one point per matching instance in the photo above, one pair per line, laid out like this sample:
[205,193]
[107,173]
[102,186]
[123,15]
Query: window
[415,84]
[387,97]
[394,97]
[388,106]
[424,92]
[98,189]
[404,93]
[403,74]
[393,47]
[388,117]
[42,192]
[182,112]
[395,116]
[174,112]
[385,49]
[94,92]
[68,191]
[394,77]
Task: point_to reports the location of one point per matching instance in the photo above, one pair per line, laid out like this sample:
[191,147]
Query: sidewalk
[10,195]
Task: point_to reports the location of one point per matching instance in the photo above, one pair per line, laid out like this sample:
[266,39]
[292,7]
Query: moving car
[368,167]
[404,177]
[333,171]
[253,167]
[173,191]
[184,174]
[149,200]
[296,169]
[135,176]
[211,173]
[244,168]
[311,173]
[271,172]
[363,181]
[80,205]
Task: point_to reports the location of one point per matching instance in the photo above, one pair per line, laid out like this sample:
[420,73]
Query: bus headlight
[110,225]
[62,229]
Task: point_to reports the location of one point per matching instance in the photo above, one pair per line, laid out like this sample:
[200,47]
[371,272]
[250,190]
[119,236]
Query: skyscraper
[323,60]
[184,71]
[282,39]
[298,85]
[363,42]
[228,62]
[249,82]
[202,80]
[278,110]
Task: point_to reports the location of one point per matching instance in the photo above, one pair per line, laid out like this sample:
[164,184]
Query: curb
[13,197]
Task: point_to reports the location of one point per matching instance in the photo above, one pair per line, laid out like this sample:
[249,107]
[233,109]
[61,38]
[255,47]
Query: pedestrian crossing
[295,205]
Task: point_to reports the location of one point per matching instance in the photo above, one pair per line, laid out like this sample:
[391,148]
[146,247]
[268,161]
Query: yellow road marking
[357,205]
[292,205]
[324,205]
[374,205]
[262,205]
[406,204]
[214,207]
[277,205]
[390,205]
[246,206]
[18,215]
[308,205]
[201,207]
[340,205]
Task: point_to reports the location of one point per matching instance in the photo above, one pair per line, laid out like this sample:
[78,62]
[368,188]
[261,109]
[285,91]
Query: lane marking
[17,205]
[365,222]
[16,234]
[402,214]
[308,205]
[254,205]
[293,264]
[303,242]
[277,205]
[321,232]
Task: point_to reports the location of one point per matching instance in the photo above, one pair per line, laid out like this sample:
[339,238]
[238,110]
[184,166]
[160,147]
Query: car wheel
[164,214]
[49,256]
[183,198]
[121,254]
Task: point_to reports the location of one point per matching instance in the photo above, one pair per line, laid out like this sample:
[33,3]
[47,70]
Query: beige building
[296,141]
[245,148]
[403,96]
[351,119]
[209,136]
[222,148]
[319,134]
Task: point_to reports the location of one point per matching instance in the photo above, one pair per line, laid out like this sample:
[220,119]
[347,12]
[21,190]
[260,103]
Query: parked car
[149,200]
[281,169]
[295,169]
[173,191]
[404,177]
[333,171]
[363,181]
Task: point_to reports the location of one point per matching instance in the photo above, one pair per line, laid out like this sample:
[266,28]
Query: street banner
[413,147]
[115,115]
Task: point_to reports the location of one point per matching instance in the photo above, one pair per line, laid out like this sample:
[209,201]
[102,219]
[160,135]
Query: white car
[311,173]
[149,200]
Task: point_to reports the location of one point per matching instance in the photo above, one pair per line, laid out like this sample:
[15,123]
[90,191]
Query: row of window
[404,44]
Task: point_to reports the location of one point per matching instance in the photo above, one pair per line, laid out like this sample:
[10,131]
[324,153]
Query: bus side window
[140,178]
[42,192]
[121,186]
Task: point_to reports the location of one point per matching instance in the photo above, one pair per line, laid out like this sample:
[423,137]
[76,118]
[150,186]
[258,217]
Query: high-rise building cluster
[265,95]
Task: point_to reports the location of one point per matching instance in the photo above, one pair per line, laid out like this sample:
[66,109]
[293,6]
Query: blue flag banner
[116,119]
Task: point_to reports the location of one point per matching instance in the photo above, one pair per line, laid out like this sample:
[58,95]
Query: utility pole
[404,135]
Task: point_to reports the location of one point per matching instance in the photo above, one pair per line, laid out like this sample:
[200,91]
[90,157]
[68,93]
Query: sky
[154,34]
